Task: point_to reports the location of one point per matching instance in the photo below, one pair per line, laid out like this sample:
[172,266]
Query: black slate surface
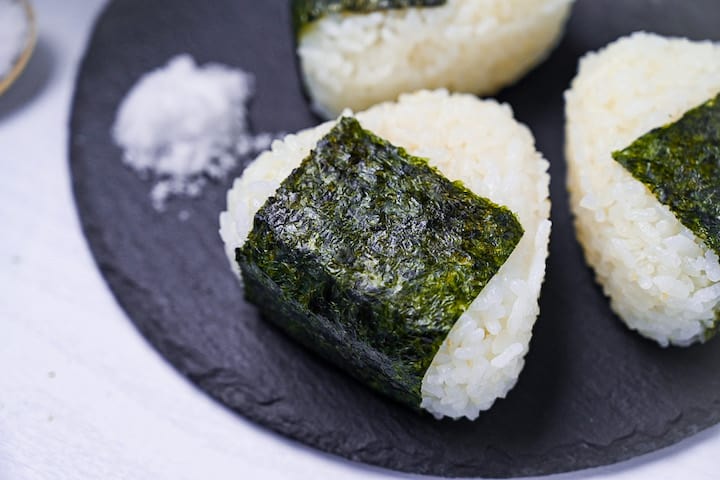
[592,392]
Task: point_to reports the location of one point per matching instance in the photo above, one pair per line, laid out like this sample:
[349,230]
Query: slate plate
[592,392]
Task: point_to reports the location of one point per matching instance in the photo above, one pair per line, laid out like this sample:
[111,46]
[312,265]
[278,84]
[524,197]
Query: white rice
[661,279]
[479,143]
[475,46]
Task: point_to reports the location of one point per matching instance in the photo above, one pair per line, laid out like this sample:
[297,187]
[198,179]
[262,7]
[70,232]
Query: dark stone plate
[592,392]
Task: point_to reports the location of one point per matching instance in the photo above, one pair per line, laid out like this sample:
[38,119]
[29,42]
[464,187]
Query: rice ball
[480,144]
[663,281]
[355,60]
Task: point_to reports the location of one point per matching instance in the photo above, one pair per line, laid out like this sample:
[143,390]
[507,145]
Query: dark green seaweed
[368,256]
[308,11]
[680,164]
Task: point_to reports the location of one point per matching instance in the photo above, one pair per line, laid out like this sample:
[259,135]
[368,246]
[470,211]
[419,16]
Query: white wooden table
[82,394]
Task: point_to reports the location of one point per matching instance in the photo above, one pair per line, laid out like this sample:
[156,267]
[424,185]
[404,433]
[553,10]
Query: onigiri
[406,244]
[356,54]
[643,133]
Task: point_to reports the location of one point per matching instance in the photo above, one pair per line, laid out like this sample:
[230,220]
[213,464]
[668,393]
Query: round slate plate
[592,392]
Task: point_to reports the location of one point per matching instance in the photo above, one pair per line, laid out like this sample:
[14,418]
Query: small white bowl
[21,61]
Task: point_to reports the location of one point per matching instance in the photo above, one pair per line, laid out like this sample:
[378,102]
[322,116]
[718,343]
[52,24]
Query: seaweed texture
[305,12]
[680,164]
[368,256]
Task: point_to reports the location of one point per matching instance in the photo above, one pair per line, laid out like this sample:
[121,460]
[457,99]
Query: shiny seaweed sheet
[680,164]
[307,11]
[368,255]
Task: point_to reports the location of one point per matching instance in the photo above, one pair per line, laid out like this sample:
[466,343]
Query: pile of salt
[183,124]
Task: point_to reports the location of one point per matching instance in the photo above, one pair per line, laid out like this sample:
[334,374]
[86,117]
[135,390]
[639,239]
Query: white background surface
[82,395]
